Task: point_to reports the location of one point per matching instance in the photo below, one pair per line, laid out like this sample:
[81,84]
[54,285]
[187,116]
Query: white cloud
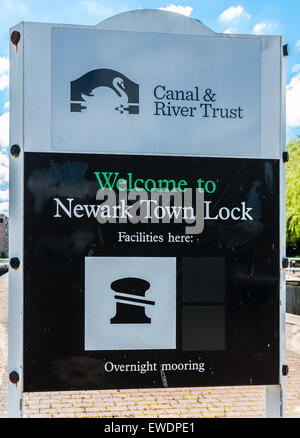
[4,139]
[4,129]
[230,30]
[4,171]
[4,160]
[4,81]
[296,68]
[298,45]
[183,10]
[264,28]
[292,102]
[233,13]
[4,69]
[4,65]
[6,105]
[4,174]
[4,195]
[4,208]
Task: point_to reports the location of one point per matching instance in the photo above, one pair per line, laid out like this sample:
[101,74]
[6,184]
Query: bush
[293,199]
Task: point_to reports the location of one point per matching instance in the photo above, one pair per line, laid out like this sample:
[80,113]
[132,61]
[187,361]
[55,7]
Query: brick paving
[163,403]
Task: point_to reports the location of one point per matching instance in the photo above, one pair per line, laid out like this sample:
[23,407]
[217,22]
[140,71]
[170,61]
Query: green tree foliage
[293,198]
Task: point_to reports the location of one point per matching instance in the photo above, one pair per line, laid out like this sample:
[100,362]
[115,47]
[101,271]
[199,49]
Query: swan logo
[125,89]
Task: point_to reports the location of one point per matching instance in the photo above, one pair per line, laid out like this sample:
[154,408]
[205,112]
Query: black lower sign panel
[148,271]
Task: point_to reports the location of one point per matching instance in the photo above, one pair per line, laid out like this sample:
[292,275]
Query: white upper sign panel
[124,86]
[129,92]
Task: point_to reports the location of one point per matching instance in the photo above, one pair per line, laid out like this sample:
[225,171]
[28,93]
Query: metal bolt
[14,377]
[285,370]
[15,37]
[285,156]
[14,262]
[285,49]
[285,263]
[15,150]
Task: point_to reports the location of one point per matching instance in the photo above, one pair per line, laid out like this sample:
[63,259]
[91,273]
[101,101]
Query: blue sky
[270,17]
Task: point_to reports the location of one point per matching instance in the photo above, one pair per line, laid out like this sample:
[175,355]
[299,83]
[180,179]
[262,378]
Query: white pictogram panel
[130,303]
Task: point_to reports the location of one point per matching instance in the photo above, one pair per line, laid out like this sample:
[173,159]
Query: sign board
[151,186]
[209,301]
[161,91]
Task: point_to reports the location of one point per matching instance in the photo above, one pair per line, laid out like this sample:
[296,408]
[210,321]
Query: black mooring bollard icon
[127,311]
